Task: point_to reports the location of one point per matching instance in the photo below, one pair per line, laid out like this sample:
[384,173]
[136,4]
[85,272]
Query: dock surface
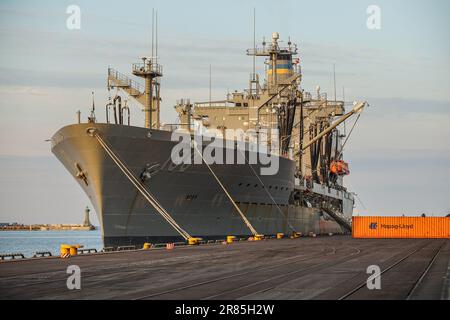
[325,267]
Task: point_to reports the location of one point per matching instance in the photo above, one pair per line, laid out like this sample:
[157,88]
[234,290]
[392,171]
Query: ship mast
[280,92]
[254,78]
[150,70]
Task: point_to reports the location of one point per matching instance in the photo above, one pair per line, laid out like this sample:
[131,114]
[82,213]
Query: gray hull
[188,192]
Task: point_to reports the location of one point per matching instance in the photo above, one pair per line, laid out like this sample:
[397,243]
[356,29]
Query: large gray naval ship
[141,195]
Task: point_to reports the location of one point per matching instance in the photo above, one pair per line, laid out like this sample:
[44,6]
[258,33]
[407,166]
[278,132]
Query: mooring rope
[141,187]
[267,191]
[244,218]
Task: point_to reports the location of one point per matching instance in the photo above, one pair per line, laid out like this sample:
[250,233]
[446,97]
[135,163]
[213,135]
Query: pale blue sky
[399,153]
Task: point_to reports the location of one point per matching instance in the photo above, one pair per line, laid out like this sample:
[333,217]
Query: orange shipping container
[401,227]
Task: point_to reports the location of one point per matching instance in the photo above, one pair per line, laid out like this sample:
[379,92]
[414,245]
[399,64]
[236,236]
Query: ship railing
[147,67]
[251,94]
[332,103]
[258,51]
[215,104]
[171,127]
[264,51]
[307,96]
[124,81]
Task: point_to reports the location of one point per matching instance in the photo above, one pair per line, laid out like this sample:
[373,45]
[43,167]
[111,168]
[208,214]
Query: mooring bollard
[73,250]
[194,241]
[296,235]
[258,237]
[65,251]
[231,239]
[147,246]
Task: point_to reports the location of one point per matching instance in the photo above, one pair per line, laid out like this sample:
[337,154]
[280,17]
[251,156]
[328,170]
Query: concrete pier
[306,268]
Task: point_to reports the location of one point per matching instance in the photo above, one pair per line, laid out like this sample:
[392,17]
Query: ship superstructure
[141,195]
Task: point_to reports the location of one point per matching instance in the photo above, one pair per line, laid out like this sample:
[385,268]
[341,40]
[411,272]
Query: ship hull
[188,192]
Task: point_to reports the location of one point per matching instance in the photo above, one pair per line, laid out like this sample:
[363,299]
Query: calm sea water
[28,242]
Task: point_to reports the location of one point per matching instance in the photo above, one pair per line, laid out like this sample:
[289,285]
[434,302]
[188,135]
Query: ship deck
[306,268]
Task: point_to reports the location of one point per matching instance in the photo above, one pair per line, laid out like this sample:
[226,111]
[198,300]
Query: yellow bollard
[64,249]
[280,235]
[296,235]
[258,237]
[194,241]
[73,250]
[147,246]
[231,239]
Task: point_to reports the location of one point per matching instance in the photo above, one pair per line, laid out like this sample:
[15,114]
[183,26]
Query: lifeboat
[339,167]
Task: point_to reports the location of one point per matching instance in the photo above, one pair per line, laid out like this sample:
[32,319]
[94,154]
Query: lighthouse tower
[87,222]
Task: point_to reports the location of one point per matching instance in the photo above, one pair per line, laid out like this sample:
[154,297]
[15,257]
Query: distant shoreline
[58,227]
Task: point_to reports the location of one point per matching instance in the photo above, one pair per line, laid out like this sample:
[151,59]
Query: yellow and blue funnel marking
[282,68]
